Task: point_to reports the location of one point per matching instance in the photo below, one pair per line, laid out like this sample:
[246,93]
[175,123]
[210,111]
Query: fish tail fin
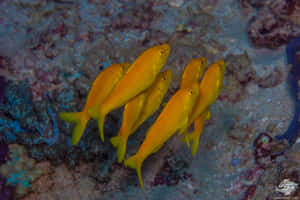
[80,119]
[94,112]
[115,141]
[119,143]
[73,117]
[79,130]
[195,144]
[134,163]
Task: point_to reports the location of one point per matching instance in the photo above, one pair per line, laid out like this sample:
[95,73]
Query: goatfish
[209,90]
[138,78]
[131,113]
[155,96]
[198,127]
[101,88]
[138,109]
[193,72]
[173,117]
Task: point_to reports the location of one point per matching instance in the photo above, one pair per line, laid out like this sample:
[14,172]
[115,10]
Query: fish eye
[162,51]
[165,78]
[191,92]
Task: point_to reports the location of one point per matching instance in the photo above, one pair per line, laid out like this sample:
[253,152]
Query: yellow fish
[173,117]
[131,113]
[193,72]
[155,96]
[101,88]
[198,127]
[209,89]
[138,78]
[138,109]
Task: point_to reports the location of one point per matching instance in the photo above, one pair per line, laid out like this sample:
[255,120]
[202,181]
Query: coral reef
[63,183]
[240,76]
[276,23]
[7,192]
[172,172]
[3,152]
[51,52]
[20,170]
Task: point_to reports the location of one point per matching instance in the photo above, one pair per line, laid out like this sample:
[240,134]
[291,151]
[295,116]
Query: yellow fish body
[138,109]
[173,117]
[138,78]
[209,88]
[198,127]
[101,88]
[155,95]
[193,72]
[131,113]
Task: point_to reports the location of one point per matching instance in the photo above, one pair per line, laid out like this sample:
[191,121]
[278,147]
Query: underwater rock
[135,16]
[275,24]
[267,151]
[65,183]
[273,79]
[238,74]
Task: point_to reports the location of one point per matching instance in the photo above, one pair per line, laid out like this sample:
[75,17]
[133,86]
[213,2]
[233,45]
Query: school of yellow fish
[140,87]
